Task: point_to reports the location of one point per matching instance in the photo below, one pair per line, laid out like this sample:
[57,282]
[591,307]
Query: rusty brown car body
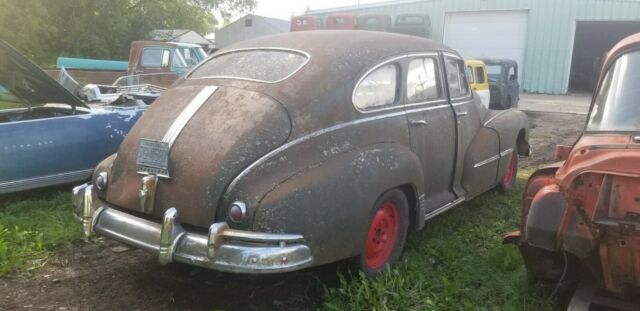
[301,149]
[583,213]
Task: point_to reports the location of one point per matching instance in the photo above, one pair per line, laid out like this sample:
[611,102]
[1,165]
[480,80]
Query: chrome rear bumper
[222,249]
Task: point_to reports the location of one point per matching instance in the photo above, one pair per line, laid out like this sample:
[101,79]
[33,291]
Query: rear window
[257,65]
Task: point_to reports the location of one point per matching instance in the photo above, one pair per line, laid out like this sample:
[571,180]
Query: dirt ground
[107,276]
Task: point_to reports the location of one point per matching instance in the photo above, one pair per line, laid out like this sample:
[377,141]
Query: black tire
[368,261]
[542,265]
[510,177]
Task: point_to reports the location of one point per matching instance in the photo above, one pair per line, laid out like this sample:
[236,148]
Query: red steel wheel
[387,233]
[382,235]
[509,178]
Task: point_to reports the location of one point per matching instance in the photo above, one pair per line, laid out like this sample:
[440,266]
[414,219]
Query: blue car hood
[27,81]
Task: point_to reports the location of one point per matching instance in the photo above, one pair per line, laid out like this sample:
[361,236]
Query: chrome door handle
[461,114]
[418,122]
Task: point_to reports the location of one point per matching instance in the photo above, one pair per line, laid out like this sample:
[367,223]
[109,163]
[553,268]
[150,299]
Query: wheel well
[521,143]
[410,193]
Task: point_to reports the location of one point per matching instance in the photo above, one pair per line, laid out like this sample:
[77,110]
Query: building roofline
[361,6]
[253,15]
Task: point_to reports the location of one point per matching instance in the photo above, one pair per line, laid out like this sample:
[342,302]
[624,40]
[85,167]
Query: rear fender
[330,203]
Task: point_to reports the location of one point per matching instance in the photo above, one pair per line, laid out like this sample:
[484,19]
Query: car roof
[474,62]
[324,42]
[499,61]
[629,43]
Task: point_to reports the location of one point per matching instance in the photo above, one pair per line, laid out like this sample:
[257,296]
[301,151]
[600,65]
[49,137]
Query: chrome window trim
[395,104]
[305,54]
[385,62]
[440,70]
[468,96]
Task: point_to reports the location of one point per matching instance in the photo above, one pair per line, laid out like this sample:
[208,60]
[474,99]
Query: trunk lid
[229,130]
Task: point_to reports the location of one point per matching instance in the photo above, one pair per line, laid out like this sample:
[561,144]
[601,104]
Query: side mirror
[513,78]
[562,152]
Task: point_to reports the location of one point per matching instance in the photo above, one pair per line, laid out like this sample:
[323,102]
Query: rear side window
[256,65]
[479,75]
[458,85]
[422,81]
[155,57]
[378,89]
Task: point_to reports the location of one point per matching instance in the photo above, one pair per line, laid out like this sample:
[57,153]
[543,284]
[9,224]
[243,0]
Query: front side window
[616,107]
[155,57]
[495,73]
[458,85]
[513,73]
[178,60]
[257,65]
[422,81]
[378,89]
[480,75]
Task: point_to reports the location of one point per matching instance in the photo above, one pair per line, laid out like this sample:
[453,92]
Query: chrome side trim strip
[187,113]
[315,134]
[506,152]
[495,116]
[444,208]
[44,181]
[487,161]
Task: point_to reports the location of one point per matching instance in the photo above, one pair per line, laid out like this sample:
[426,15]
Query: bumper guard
[222,249]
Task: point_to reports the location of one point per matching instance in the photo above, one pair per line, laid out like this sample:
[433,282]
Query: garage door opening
[592,40]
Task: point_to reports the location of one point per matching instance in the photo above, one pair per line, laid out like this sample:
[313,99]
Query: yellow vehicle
[477,75]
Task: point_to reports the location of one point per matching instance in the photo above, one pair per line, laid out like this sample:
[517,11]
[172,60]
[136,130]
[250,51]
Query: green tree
[46,29]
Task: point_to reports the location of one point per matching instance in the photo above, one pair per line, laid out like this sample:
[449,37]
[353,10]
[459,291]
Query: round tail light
[238,212]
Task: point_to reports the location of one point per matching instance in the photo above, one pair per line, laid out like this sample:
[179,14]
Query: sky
[283,9]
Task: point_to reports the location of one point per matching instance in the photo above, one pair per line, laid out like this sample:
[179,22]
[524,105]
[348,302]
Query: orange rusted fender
[588,207]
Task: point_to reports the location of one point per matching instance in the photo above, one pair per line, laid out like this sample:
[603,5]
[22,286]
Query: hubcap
[382,236]
[511,173]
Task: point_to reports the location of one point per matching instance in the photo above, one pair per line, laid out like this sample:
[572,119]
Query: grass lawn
[10,105]
[456,263]
[33,226]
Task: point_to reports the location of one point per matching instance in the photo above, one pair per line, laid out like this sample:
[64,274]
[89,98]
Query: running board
[443,209]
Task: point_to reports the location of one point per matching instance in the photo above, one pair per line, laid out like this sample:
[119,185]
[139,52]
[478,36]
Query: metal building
[248,27]
[558,43]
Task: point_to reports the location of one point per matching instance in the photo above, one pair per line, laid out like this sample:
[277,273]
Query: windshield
[616,107]
[191,56]
[494,73]
[258,65]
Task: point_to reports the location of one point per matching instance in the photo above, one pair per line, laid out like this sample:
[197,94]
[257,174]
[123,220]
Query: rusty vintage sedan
[301,149]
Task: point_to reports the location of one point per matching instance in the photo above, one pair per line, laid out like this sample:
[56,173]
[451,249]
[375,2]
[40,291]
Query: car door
[432,127]
[466,112]
[154,59]
[58,149]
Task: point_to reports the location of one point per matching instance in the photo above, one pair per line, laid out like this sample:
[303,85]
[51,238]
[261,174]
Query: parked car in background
[476,72]
[264,159]
[48,136]
[413,24]
[503,83]
[341,21]
[581,216]
[375,22]
[306,22]
[161,57]
[145,57]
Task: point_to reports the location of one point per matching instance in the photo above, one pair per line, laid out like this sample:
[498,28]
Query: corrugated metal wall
[551,28]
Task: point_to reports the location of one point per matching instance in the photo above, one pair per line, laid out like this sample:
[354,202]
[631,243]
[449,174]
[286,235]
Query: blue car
[49,136]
